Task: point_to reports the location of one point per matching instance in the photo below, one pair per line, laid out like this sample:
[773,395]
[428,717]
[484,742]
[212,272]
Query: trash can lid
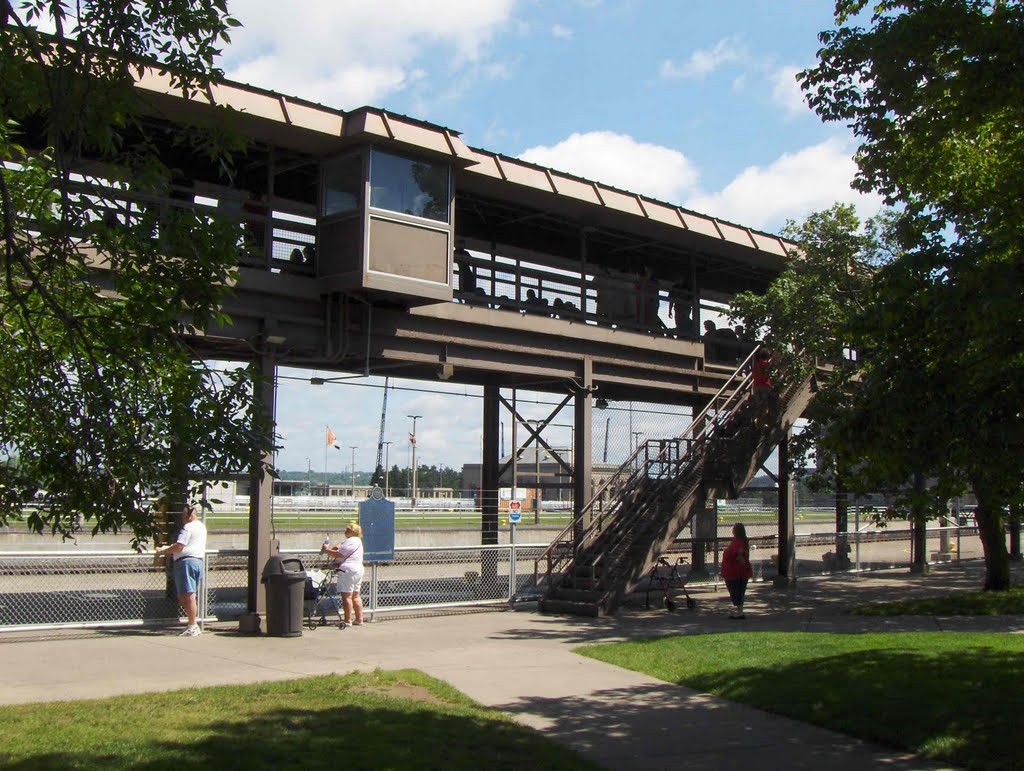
[273,567]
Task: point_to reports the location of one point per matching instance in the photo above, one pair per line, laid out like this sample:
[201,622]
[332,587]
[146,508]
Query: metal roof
[300,124]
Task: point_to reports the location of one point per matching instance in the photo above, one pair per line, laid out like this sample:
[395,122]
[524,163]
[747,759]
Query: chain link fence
[49,589]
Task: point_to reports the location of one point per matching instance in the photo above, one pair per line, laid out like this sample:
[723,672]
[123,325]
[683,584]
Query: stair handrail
[705,428]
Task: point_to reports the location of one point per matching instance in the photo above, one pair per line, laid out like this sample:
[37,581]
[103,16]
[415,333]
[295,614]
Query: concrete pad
[520,663]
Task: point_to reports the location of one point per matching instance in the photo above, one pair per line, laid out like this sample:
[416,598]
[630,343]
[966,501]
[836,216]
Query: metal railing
[56,589]
[670,459]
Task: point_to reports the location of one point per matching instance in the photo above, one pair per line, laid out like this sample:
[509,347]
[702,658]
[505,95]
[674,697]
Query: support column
[705,532]
[261,491]
[787,518]
[489,485]
[582,462]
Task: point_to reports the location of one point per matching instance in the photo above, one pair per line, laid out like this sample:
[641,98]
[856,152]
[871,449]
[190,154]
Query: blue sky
[689,101]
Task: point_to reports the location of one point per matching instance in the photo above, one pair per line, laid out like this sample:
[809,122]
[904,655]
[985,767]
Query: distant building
[535,468]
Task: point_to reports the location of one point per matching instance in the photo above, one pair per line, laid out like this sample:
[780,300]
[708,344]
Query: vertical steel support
[261,490]
[582,467]
[787,518]
[489,486]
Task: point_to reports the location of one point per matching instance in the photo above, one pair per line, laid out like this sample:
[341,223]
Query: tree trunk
[919,528]
[992,531]
[1016,511]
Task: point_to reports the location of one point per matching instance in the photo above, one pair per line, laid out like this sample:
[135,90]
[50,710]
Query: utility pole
[636,442]
[412,441]
[309,477]
[387,470]
[353,448]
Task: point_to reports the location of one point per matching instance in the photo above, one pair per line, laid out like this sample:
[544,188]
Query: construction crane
[378,474]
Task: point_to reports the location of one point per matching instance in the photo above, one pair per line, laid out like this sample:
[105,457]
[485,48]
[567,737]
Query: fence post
[512,562]
[373,591]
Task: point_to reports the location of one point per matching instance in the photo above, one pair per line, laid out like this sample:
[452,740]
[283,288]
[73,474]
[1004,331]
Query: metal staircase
[636,514]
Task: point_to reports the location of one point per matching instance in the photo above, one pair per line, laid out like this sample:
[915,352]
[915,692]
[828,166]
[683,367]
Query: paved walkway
[521,663]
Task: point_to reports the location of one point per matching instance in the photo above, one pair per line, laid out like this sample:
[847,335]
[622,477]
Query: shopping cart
[666,578]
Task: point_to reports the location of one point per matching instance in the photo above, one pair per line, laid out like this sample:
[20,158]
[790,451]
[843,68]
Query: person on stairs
[736,568]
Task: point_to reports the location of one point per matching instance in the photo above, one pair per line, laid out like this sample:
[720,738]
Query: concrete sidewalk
[522,663]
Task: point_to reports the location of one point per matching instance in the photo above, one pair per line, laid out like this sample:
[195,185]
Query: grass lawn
[1009,603]
[379,720]
[331,522]
[956,698]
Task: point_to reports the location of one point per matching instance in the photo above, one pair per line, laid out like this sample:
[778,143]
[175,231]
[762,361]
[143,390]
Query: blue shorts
[187,573]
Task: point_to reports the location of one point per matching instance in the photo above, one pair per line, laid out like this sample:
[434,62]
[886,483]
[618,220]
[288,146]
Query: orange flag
[330,436]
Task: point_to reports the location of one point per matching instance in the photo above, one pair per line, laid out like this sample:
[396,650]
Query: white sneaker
[192,631]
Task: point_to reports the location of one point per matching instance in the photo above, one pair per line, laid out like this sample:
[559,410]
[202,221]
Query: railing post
[512,562]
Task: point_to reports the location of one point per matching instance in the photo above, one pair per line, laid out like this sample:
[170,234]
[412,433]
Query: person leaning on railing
[188,550]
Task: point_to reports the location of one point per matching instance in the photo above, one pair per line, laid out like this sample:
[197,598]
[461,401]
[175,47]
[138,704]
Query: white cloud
[790,187]
[563,33]
[346,53]
[620,161]
[703,62]
[762,197]
[786,92]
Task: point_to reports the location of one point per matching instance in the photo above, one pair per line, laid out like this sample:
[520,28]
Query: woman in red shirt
[736,569]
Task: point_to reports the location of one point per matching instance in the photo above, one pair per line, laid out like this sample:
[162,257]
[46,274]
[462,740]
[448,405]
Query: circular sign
[376,493]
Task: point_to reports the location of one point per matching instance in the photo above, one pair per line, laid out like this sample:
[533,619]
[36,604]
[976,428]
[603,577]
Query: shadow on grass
[349,737]
[963,707]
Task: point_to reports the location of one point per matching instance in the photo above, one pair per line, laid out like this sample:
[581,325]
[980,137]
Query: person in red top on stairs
[736,568]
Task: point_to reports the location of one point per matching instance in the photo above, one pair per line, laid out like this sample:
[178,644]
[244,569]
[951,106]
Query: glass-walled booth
[385,225]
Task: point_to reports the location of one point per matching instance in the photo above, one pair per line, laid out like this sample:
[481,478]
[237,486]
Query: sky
[691,102]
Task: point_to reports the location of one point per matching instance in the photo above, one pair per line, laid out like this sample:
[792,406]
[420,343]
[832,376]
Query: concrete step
[569,608]
[576,595]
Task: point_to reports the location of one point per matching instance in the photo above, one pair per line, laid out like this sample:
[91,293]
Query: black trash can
[285,581]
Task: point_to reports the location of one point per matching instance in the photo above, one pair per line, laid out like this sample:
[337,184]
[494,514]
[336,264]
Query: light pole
[387,470]
[636,440]
[412,441]
[353,448]
[309,477]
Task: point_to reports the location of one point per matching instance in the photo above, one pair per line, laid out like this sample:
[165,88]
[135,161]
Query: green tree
[105,405]
[934,90]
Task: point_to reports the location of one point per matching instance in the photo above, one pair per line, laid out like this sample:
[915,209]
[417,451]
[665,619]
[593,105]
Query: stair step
[568,608]
[575,595]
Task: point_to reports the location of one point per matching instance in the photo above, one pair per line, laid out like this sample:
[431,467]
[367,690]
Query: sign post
[515,513]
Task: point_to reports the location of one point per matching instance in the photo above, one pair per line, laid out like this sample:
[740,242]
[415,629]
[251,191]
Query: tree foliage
[933,90]
[105,406]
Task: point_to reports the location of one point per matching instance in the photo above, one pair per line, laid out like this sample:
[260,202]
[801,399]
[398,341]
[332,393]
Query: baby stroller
[319,597]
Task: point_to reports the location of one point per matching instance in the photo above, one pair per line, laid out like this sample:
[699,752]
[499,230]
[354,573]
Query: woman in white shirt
[349,554]
[189,550]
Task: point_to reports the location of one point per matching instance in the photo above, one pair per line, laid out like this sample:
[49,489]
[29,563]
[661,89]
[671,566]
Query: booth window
[342,185]
[409,186]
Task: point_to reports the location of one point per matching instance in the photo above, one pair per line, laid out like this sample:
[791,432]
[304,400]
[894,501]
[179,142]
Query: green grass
[330,521]
[380,720]
[956,698]
[960,604]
